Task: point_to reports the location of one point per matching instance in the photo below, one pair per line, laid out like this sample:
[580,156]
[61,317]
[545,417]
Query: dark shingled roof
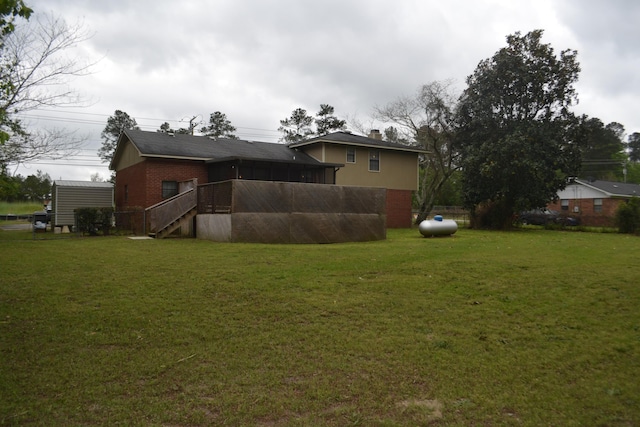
[613,189]
[351,139]
[181,146]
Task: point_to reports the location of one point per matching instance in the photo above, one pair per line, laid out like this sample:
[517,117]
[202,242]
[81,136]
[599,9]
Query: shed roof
[84,184]
[190,147]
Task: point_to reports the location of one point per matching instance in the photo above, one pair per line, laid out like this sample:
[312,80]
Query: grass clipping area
[528,328]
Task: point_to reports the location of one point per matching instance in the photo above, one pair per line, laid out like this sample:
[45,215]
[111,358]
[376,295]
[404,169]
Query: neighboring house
[594,202]
[150,166]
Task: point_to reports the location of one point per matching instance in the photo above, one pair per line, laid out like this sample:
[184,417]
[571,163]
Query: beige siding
[398,169]
[317,152]
[66,199]
[128,156]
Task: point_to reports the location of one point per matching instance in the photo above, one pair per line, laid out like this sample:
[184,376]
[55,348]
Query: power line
[101,122]
[36,163]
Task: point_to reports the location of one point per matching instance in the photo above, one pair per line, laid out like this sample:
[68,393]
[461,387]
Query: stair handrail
[162,214]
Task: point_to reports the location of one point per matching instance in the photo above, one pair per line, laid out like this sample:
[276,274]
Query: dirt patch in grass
[429,409]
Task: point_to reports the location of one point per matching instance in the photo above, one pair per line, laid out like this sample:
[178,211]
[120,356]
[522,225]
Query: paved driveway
[14,227]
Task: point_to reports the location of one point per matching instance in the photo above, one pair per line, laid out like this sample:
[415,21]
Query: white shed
[67,196]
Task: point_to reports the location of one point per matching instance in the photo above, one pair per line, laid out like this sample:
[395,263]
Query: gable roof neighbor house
[594,202]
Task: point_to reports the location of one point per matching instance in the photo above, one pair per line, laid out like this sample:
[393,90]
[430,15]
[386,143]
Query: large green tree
[601,147]
[327,122]
[219,127]
[300,125]
[633,146]
[10,187]
[515,123]
[9,11]
[633,172]
[296,127]
[111,132]
[37,187]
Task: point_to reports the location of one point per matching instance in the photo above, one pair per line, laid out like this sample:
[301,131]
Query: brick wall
[131,179]
[398,208]
[159,170]
[143,181]
[586,211]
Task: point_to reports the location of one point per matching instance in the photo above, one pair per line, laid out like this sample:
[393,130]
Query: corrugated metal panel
[83,184]
[70,195]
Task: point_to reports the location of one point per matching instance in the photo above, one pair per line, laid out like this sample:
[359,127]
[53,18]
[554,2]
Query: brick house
[594,202]
[152,166]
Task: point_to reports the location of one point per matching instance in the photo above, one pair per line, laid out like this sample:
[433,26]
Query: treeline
[33,188]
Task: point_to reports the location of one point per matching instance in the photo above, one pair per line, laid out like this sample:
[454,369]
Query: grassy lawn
[19,208]
[531,328]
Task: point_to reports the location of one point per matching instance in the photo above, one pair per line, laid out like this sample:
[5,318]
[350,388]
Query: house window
[597,205]
[169,189]
[564,203]
[126,193]
[351,154]
[374,160]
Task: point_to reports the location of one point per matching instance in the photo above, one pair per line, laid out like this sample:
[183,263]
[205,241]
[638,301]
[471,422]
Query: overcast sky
[258,60]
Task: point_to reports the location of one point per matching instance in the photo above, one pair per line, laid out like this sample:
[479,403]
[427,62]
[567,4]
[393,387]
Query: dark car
[546,216]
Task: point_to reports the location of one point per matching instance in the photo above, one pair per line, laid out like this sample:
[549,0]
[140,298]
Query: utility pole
[191,125]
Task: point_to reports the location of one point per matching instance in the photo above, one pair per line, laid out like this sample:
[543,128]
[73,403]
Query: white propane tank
[437,227]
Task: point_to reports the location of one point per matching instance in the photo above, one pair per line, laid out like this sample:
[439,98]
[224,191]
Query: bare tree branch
[42,144]
[36,65]
[427,119]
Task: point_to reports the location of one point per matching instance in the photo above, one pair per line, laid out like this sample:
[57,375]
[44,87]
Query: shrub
[491,215]
[628,216]
[92,220]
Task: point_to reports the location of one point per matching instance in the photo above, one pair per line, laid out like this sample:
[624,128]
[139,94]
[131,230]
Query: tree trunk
[430,197]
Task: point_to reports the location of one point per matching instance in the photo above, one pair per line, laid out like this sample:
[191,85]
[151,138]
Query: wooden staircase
[169,215]
[176,224]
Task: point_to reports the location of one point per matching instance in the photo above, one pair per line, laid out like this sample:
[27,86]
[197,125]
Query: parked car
[546,216]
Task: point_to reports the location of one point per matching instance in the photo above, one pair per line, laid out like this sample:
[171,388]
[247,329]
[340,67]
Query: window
[597,205]
[126,193]
[351,154]
[169,189]
[374,160]
[564,203]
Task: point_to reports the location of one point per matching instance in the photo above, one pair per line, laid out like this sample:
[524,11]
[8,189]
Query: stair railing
[162,214]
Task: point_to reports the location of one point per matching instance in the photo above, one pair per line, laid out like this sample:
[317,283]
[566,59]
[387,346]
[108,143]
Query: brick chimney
[375,134]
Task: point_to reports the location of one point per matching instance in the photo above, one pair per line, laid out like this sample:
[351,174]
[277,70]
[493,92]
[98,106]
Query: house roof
[612,188]
[357,140]
[189,147]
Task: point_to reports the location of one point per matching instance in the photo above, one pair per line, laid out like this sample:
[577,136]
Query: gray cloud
[258,60]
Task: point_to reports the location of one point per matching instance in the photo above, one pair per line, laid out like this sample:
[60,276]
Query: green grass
[531,328]
[19,208]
